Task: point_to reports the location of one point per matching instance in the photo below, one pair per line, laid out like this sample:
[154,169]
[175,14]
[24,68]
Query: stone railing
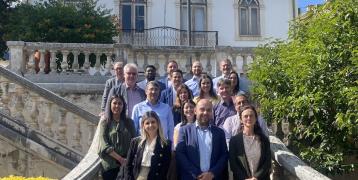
[90,165]
[46,112]
[39,149]
[287,165]
[64,59]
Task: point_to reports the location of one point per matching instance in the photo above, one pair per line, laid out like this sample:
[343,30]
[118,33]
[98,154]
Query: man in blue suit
[168,96]
[201,152]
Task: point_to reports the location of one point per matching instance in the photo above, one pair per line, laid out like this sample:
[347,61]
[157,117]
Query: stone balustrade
[41,58]
[46,112]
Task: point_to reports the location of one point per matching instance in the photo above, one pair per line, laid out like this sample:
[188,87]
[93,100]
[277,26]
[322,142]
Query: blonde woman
[149,154]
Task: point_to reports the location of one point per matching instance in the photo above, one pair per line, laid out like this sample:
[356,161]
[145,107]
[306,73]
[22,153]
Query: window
[249,18]
[198,15]
[133,14]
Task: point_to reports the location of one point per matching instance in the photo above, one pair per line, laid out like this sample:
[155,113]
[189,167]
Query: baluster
[109,64]
[274,128]
[42,61]
[62,129]
[156,64]
[234,64]
[31,64]
[188,63]
[64,63]
[240,64]
[5,96]
[135,61]
[167,57]
[53,63]
[75,65]
[34,112]
[18,103]
[77,133]
[208,64]
[244,63]
[286,131]
[48,118]
[86,64]
[145,60]
[98,63]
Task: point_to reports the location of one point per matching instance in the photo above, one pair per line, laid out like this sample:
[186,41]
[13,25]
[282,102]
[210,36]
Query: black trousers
[110,174]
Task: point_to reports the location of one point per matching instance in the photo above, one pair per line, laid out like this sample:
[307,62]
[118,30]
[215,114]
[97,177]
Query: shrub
[312,81]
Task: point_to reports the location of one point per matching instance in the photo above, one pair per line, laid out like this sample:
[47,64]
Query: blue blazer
[188,155]
[167,96]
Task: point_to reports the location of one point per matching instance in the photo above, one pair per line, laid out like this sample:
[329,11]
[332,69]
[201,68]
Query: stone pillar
[17,60]
[31,63]
[145,63]
[244,64]
[48,118]
[98,63]
[75,65]
[135,58]
[188,62]
[62,129]
[5,96]
[208,64]
[86,64]
[64,63]
[77,133]
[53,63]
[34,112]
[156,64]
[42,61]
[234,64]
[109,64]
[18,103]
[286,132]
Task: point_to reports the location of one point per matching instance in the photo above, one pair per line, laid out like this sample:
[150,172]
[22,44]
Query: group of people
[173,128]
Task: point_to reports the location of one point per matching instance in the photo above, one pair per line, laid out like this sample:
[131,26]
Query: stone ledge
[90,164]
[48,95]
[20,137]
[73,88]
[291,162]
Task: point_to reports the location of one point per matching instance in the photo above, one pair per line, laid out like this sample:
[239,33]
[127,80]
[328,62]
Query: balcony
[168,36]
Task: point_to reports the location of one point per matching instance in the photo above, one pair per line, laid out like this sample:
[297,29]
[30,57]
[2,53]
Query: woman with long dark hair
[249,151]
[235,83]
[206,90]
[149,154]
[116,131]
[188,117]
[183,94]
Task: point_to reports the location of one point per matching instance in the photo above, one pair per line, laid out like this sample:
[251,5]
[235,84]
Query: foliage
[54,21]
[5,9]
[312,81]
[12,177]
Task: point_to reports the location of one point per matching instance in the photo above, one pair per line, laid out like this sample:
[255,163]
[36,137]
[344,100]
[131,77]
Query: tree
[5,9]
[54,21]
[311,80]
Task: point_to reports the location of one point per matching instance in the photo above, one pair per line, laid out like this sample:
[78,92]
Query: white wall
[275,17]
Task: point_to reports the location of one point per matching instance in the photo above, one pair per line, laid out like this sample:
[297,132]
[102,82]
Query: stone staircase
[43,125]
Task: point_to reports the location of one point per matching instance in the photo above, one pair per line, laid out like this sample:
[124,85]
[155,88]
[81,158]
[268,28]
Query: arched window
[198,15]
[249,18]
[133,14]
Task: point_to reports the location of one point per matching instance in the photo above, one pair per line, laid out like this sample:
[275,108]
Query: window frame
[249,26]
[194,7]
[134,4]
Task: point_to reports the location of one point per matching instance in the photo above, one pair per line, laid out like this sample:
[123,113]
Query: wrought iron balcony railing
[168,36]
